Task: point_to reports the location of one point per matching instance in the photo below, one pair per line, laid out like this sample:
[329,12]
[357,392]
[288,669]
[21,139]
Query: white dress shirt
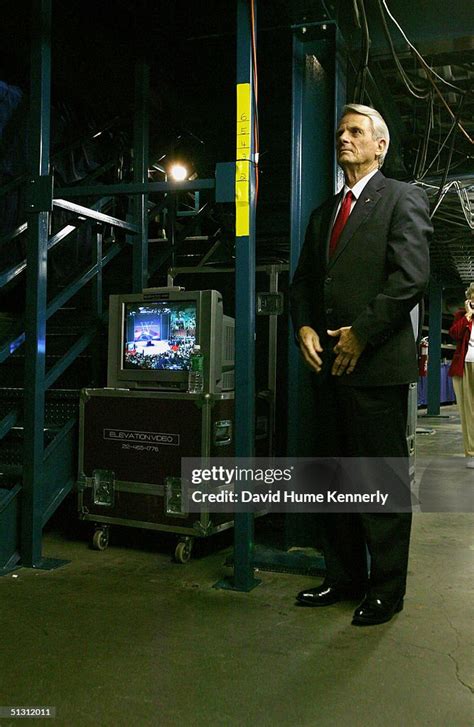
[356,190]
[470,348]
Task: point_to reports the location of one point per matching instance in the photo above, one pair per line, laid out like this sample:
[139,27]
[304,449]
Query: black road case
[130,449]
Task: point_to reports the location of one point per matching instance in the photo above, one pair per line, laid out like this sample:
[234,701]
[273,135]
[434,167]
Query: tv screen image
[159,336]
[152,335]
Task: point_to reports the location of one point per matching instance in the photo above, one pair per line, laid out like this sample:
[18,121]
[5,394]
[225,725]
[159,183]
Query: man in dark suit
[363,267]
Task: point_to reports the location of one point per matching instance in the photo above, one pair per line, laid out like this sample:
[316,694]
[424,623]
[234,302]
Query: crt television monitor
[152,335]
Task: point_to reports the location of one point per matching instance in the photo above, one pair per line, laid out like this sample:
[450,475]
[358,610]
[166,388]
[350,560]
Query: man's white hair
[379,127]
[469,290]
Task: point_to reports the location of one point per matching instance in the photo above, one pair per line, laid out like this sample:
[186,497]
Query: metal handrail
[6,276]
[14,233]
[90,214]
[77,348]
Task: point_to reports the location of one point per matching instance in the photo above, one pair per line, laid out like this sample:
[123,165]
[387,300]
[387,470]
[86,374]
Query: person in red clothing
[462,371]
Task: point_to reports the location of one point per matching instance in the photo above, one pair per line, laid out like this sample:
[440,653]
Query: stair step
[6,498]
[61,407]
[9,526]
[10,474]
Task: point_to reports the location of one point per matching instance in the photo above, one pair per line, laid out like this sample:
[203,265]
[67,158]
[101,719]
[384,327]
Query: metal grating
[452,250]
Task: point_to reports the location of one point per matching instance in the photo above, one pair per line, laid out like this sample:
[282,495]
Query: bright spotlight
[178,172]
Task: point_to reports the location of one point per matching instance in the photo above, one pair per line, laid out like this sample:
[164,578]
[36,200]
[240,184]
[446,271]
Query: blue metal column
[140,175]
[318,90]
[243,578]
[39,207]
[340,95]
[434,352]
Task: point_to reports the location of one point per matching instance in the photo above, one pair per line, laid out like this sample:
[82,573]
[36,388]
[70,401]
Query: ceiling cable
[365,52]
[356,13]
[450,156]
[412,88]
[451,112]
[426,139]
[425,64]
[448,136]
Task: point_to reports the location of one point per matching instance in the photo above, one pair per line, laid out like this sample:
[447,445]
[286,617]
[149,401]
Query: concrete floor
[127,637]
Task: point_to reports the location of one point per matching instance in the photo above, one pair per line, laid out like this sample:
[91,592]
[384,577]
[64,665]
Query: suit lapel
[362,210]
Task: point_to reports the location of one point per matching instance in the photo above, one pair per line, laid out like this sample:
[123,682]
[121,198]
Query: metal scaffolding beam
[243,578]
[39,209]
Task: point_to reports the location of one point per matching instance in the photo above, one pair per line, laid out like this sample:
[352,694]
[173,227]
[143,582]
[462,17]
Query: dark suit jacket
[377,275]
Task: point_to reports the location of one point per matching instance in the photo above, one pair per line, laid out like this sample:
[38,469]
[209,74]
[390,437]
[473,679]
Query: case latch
[102,484]
[174,501]
[222,433]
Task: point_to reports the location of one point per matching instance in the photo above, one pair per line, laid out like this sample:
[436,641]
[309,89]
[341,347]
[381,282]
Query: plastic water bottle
[196,372]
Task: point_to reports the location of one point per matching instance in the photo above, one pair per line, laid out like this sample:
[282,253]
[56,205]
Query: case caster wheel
[100,539]
[183,550]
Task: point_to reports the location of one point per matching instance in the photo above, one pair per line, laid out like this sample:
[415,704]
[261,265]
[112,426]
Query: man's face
[355,144]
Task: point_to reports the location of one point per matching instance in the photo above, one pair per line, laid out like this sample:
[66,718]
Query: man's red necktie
[341,220]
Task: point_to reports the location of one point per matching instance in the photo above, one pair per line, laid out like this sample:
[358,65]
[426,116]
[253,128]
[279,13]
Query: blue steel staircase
[58,475]
[70,362]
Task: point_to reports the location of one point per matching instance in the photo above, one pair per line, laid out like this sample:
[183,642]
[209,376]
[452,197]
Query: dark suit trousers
[364,422]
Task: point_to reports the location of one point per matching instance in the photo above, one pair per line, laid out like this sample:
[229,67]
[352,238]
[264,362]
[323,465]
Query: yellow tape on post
[242,166]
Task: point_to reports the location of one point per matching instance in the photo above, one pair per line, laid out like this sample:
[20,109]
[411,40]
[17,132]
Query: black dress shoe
[326,594]
[376,611]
